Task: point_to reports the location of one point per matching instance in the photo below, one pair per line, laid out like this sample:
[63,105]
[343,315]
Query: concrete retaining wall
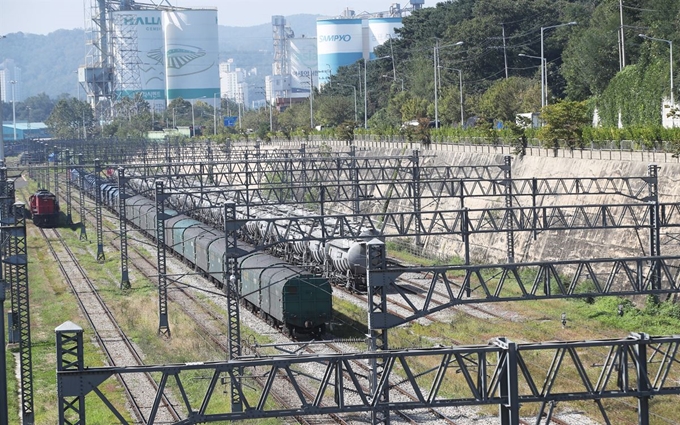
[551,245]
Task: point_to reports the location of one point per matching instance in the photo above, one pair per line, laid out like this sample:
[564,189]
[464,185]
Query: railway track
[409,417]
[419,289]
[214,327]
[119,350]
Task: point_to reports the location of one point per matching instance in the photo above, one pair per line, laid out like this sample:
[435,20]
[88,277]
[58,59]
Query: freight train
[341,260]
[285,296]
[44,208]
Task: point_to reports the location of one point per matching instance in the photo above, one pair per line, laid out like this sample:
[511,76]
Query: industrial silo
[381,30]
[138,47]
[339,43]
[191,54]
[302,54]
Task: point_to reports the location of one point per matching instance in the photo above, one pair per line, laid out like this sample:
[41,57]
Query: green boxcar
[299,302]
[175,236]
[296,300]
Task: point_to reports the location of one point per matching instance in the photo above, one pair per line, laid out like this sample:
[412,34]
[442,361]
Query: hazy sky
[45,16]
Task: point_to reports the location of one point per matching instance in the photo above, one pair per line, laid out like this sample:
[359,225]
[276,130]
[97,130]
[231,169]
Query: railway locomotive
[44,208]
[287,297]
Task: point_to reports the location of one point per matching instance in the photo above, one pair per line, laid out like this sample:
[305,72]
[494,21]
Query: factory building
[139,52]
[340,42]
[191,54]
[168,53]
[301,63]
[344,40]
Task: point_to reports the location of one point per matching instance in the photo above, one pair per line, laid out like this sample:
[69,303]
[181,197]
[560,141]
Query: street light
[14,114]
[311,99]
[330,73]
[240,104]
[436,70]
[395,80]
[214,114]
[84,128]
[544,68]
[271,114]
[365,88]
[394,66]
[355,99]
[460,89]
[541,65]
[670,44]
[263,90]
[193,118]
[77,84]
[3,384]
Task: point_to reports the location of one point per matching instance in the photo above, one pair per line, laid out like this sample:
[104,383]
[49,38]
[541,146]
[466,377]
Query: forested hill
[49,62]
[496,46]
[489,48]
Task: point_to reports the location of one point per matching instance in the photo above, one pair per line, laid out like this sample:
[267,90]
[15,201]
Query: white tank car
[348,258]
[342,260]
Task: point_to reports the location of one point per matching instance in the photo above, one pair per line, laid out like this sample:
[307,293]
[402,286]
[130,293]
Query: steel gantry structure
[122,222]
[503,373]
[653,274]
[6,220]
[131,151]
[15,264]
[164,324]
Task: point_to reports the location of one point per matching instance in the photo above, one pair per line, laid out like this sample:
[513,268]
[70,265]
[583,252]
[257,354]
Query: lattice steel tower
[125,45]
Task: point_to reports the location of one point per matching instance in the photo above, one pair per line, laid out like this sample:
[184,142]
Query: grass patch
[51,304]
[404,252]
[136,310]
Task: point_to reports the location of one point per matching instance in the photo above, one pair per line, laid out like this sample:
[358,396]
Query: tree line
[487,70]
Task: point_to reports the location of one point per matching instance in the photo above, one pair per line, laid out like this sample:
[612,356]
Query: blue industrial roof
[25,125]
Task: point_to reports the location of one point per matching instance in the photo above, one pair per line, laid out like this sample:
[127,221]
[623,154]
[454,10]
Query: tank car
[44,208]
[347,257]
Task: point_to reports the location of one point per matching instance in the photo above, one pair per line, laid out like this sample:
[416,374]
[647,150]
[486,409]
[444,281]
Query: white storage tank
[139,54]
[381,30]
[191,54]
[339,43]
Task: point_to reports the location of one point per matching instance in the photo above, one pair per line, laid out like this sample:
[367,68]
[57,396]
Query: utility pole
[505,53]
[622,51]
[311,100]
[2,137]
[436,95]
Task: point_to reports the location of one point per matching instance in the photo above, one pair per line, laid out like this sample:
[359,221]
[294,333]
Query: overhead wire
[639,8]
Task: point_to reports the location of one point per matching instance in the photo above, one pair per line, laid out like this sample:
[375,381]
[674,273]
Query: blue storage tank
[339,43]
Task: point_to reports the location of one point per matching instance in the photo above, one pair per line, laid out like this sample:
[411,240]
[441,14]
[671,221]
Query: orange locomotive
[44,208]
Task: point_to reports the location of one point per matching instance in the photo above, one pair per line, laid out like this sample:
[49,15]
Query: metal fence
[625,150]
